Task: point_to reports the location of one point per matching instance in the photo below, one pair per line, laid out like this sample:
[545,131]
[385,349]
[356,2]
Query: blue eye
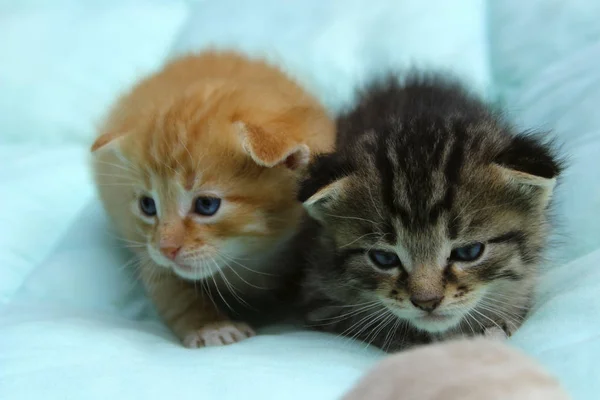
[148,206]
[207,205]
[384,259]
[470,252]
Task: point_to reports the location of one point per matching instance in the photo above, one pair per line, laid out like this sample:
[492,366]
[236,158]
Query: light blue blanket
[73,323]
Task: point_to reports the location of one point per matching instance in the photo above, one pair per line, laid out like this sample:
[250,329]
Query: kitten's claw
[218,334]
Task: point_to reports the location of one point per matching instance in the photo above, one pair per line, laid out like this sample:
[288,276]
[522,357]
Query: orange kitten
[197,168]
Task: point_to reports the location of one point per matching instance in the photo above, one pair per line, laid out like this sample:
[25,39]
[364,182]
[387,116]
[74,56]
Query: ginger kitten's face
[190,198]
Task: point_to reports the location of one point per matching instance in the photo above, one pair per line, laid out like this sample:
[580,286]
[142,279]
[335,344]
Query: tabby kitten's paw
[218,334]
[495,333]
[502,330]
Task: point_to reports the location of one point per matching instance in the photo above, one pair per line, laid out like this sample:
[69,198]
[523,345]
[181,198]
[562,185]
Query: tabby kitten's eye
[148,206]
[207,206]
[467,253]
[384,259]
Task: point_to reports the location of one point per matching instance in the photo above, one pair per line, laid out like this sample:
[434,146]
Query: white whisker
[390,335]
[512,318]
[186,149]
[353,305]
[358,238]
[131,262]
[121,239]
[206,285]
[217,288]
[240,277]
[338,318]
[114,184]
[244,266]
[377,330]
[128,168]
[486,317]
[352,218]
[363,323]
[365,327]
[466,319]
[503,303]
[230,287]
[134,246]
[377,210]
[129,178]
[511,299]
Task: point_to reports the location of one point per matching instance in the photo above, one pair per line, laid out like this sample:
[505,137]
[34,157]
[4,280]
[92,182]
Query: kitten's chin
[186,271]
[192,273]
[436,323]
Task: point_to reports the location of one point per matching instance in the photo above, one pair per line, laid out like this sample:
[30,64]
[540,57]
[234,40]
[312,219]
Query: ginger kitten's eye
[384,259]
[207,205]
[470,252]
[148,206]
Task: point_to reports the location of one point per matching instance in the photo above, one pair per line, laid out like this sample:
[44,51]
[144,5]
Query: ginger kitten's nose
[426,303]
[170,252]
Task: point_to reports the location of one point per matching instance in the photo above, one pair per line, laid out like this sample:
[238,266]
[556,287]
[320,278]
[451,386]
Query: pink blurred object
[466,369]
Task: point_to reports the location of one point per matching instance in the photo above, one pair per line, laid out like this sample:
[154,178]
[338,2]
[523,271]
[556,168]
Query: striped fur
[421,168]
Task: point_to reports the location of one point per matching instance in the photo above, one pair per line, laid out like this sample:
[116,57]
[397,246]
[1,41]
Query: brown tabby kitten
[434,217]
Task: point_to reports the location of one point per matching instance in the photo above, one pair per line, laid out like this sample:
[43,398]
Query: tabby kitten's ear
[272,146]
[532,165]
[328,179]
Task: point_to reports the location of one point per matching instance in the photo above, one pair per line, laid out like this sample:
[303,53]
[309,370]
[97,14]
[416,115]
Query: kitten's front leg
[191,314]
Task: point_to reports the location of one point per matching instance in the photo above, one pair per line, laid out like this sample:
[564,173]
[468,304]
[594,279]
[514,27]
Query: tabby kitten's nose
[426,303]
[170,252]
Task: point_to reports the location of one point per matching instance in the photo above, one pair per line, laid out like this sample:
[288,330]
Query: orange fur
[217,125]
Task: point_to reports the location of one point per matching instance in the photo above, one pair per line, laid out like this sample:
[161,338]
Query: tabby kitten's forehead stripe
[423,197]
[432,205]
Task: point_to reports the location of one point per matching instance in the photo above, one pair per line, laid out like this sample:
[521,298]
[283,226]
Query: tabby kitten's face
[439,227]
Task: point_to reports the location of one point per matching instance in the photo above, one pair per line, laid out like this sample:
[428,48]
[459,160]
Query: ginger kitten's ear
[328,178]
[532,165]
[107,140]
[272,148]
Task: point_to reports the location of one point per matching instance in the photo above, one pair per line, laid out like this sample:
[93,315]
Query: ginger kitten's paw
[218,334]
